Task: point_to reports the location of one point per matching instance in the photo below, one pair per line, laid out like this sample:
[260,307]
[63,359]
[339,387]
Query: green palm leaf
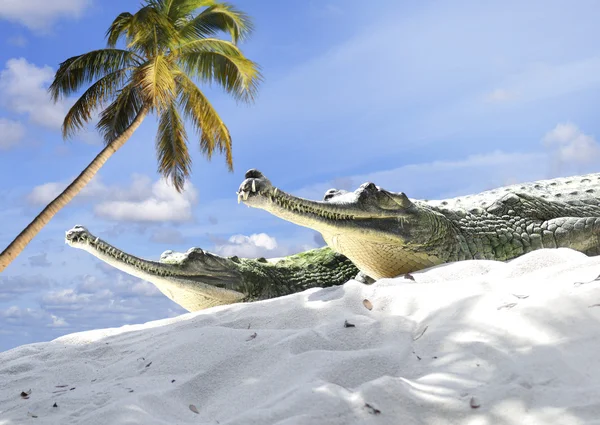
[205,119]
[218,17]
[151,32]
[213,60]
[100,92]
[84,69]
[174,161]
[155,81]
[119,115]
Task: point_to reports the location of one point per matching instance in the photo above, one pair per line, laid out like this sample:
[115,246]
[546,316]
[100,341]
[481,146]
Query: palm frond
[181,11]
[118,28]
[214,60]
[175,9]
[101,91]
[162,6]
[84,69]
[205,119]
[150,32]
[174,161]
[219,17]
[155,80]
[119,115]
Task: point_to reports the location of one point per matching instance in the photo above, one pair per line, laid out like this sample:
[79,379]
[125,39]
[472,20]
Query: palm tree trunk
[33,228]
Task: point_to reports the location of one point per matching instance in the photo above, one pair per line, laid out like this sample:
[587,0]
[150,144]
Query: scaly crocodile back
[570,190]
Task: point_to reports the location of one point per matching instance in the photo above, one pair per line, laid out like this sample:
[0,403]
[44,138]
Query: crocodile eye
[369,187]
[330,194]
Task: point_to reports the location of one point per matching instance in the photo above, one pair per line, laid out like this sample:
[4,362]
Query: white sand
[522,338]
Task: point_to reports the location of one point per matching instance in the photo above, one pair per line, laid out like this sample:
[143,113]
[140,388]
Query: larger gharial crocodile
[373,233]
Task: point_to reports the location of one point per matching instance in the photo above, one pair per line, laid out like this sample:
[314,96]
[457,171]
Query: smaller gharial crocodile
[375,233]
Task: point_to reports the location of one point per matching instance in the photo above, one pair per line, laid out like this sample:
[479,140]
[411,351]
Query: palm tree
[169,46]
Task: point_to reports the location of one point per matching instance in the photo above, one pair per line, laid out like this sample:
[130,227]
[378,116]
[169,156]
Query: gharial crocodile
[375,232]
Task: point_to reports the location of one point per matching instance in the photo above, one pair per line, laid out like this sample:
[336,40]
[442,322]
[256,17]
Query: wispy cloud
[12,287]
[500,95]
[17,40]
[540,80]
[40,15]
[39,260]
[167,236]
[446,178]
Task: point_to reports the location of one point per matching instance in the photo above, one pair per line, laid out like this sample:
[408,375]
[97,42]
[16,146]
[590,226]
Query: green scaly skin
[381,233]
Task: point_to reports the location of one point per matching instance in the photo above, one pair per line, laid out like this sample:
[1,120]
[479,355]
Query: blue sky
[433,98]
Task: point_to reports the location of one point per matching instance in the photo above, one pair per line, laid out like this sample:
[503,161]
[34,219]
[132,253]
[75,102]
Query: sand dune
[475,342]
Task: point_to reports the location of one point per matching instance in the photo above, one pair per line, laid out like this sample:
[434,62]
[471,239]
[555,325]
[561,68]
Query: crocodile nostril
[253,174]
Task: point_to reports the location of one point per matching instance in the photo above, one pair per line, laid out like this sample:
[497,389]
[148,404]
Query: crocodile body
[377,232]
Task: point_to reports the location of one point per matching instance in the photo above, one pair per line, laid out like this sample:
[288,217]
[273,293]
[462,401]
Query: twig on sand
[421,333]
[585,283]
[372,410]
[347,324]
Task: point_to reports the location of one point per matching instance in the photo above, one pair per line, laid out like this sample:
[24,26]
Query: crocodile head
[382,232]
[195,279]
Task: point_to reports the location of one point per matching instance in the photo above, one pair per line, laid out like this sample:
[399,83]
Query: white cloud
[11,133]
[163,204]
[23,89]
[571,147]
[253,246]
[72,299]
[139,189]
[94,190]
[44,193]
[40,15]
[15,313]
[57,322]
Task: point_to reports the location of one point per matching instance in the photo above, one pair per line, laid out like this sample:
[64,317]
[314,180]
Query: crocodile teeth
[275,192]
[96,241]
[253,185]
[239,197]
[246,195]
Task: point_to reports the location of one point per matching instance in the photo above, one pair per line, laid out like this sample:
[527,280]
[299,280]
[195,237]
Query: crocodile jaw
[380,231]
[192,289]
[367,213]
